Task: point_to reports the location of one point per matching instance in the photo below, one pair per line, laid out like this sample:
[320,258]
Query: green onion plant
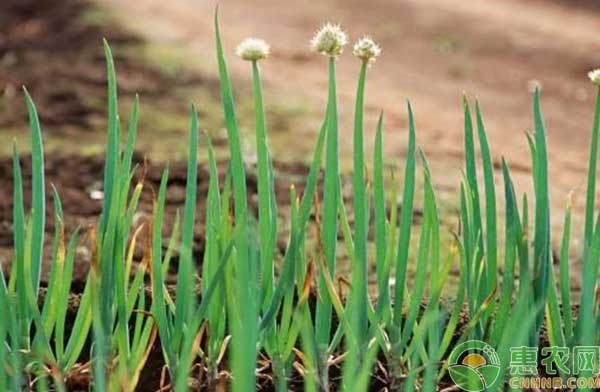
[246,308]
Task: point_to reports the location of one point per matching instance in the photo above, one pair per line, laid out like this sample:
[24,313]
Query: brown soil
[55,50]
[433,51]
[32,30]
[78,178]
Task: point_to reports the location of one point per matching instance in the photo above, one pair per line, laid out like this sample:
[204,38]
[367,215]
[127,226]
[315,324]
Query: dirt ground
[433,51]
[55,50]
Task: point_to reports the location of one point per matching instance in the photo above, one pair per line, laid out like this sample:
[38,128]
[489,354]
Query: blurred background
[434,51]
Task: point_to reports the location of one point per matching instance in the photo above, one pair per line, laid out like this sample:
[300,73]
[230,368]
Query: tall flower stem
[266,216]
[357,339]
[330,218]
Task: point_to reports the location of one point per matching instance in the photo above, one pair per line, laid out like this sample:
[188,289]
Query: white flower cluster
[329,40]
[253,49]
[366,49]
[594,76]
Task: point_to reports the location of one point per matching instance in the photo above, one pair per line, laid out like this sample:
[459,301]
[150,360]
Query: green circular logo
[474,366]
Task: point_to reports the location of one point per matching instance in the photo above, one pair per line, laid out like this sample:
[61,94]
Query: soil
[55,50]
[48,47]
[78,181]
[433,52]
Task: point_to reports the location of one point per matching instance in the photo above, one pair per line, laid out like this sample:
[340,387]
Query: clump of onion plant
[329,40]
[357,336]
[245,308]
